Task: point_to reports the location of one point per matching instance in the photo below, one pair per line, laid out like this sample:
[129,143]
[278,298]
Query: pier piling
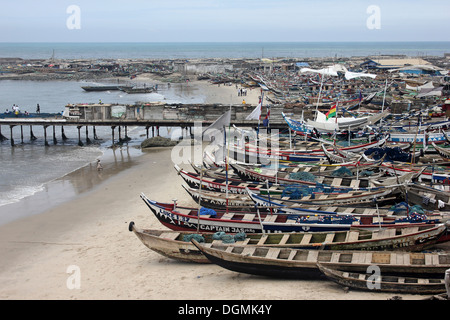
[95,133]
[12,138]
[54,136]
[63,136]
[112,133]
[79,137]
[2,137]
[45,136]
[32,137]
[88,141]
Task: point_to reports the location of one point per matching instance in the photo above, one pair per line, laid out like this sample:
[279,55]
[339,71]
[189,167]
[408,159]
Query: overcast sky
[224,20]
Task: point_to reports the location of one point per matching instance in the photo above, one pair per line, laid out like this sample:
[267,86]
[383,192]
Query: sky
[224,20]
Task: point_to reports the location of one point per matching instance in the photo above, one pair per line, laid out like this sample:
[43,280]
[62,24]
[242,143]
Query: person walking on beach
[99,165]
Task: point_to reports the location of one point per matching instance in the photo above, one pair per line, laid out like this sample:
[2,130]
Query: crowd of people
[16,110]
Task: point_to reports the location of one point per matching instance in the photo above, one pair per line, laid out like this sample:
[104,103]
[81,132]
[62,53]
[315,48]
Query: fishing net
[196,237]
[295,193]
[228,238]
[240,236]
[302,176]
[206,211]
[342,172]
[366,173]
[392,154]
[399,207]
[218,235]
[414,213]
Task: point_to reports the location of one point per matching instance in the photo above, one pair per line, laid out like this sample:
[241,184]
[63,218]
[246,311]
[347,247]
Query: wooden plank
[431,259]
[249,217]
[352,236]
[284,239]
[273,253]
[349,210]
[262,240]
[410,230]
[335,257]
[329,238]
[248,251]
[169,235]
[270,218]
[292,254]
[306,239]
[312,256]
[358,257]
[355,184]
[228,215]
[336,182]
[244,242]
[422,281]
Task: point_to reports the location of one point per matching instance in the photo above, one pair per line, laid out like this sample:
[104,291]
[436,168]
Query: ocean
[192,50]
[31,169]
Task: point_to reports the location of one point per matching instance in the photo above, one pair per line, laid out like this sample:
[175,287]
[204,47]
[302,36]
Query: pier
[84,116]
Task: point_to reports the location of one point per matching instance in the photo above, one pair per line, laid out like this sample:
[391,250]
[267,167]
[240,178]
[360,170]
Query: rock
[157,142]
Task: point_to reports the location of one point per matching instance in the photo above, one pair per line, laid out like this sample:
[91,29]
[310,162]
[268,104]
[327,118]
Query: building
[387,64]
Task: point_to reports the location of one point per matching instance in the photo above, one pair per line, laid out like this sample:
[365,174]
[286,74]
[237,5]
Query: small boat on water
[106,88]
[302,264]
[177,244]
[384,283]
[139,90]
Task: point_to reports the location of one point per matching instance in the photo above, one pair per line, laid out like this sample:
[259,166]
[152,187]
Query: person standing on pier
[38,109]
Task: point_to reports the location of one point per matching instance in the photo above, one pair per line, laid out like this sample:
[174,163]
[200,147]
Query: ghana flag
[332,112]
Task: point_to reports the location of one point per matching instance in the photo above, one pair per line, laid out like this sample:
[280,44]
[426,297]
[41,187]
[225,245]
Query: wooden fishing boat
[429,172]
[302,264]
[302,127]
[443,152]
[219,200]
[384,283]
[106,88]
[420,137]
[294,196]
[194,180]
[139,90]
[291,155]
[180,218]
[429,198]
[177,245]
[335,158]
[248,173]
[346,199]
[169,244]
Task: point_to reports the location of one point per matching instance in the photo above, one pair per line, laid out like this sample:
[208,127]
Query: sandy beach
[87,235]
